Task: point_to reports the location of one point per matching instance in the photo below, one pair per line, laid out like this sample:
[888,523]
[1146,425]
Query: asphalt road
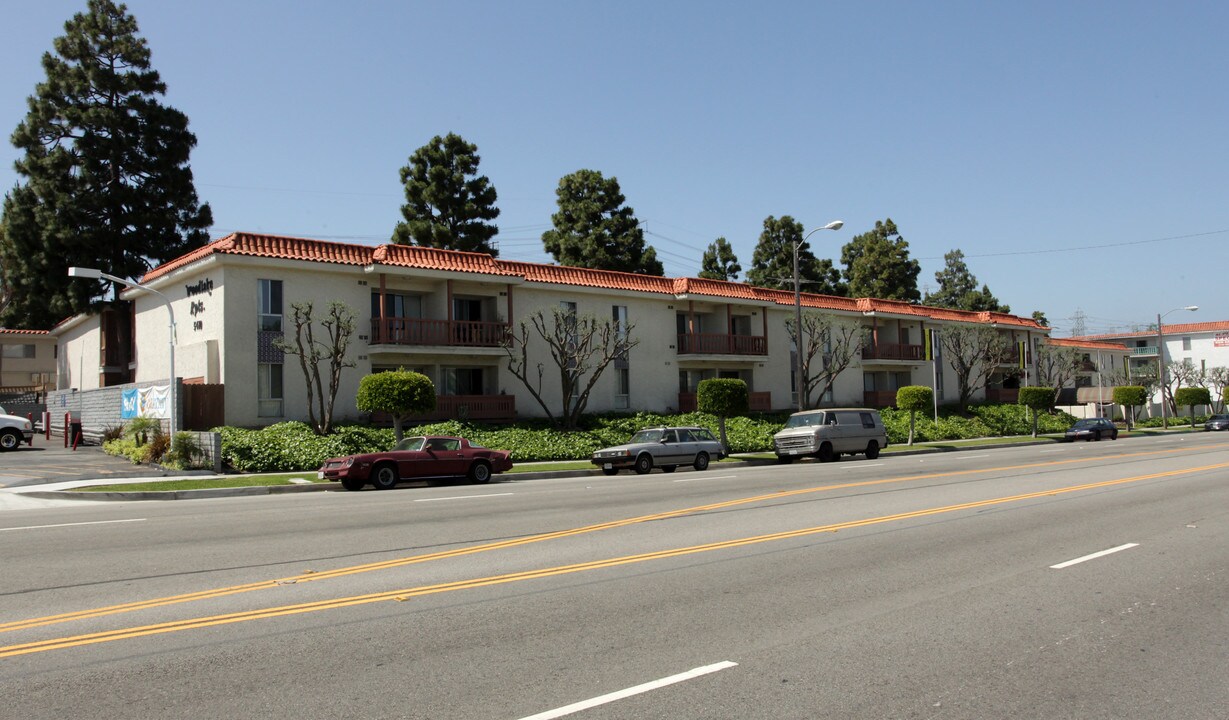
[1063,581]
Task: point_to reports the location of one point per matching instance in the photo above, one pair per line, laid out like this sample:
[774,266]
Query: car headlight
[349,461]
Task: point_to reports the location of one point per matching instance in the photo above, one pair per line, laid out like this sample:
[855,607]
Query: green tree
[1192,396]
[1130,397]
[447,202]
[958,288]
[877,265]
[106,177]
[914,398]
[723,397]
[399,393]
[719,262]
[1036,399]
[1041,319]
[338,327]
[594,229]
[772,263]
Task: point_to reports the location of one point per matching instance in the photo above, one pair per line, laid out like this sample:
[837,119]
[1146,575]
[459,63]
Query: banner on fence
[151,402]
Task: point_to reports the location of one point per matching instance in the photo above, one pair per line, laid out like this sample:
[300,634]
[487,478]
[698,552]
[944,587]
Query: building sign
[151,402]
[1221,340]
[197,308]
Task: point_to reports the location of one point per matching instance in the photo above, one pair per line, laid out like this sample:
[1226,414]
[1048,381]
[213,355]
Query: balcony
[757,402]
[468,407]
[1002,395]
[878,398]
[717,344]
[456,333]
[892,351]
[1148,351]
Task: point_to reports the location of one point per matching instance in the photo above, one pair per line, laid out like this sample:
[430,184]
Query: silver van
[828,434]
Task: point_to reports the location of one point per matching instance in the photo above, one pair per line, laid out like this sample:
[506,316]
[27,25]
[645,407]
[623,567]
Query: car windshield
[647,436]
[1082,424]
[805,420]
[410,443]
[1214,417]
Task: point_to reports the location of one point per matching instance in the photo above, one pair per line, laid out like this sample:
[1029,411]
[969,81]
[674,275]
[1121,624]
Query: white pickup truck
[14,430]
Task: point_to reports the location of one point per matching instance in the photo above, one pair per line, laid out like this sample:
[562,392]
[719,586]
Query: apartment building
[447,314]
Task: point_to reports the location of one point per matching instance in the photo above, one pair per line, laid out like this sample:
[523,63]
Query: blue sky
[1077,153]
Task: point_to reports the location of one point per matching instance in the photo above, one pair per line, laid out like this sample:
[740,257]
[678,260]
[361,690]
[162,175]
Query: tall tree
[594,229]
[1056,366]
[719,261]
[447,201]
[877,265]
[829,346]
[958,288]
[338,327]
[974,352]
[772,264]
[106,177]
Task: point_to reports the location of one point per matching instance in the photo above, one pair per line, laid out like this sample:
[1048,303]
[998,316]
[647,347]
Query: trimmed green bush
[914,398]
[1130,397]
[400,393]
[1192,396]
[1036,399]
[723,397]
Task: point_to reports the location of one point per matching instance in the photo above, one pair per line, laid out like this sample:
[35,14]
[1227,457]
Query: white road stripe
[629,692]
[969,457]
[853,466]
[96,522]
[462,497]
[1094,556]
[1054,450]
[706,477]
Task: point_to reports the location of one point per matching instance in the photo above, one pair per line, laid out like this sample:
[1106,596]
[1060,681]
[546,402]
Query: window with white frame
[16,352]
[269,396]
[1186,343]
[618,317]
[623,388]
[269,305]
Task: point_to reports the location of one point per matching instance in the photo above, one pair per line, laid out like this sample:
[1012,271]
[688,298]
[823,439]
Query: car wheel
[644,463]
[10,440]
[701,462]
[609,471]
[352,484]
[825,453]
[872,450]
[480,473]
[785,459]
[669,468]
[1114,436]
[384,477]
[1097,436]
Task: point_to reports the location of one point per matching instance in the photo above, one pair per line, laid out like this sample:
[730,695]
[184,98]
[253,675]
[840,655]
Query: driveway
[48,461]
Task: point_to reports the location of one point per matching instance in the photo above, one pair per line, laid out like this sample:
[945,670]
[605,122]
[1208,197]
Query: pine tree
[877,265]
[106,177]
[447,201]
[594,229]
[772,264]
[958,288]
[719,261]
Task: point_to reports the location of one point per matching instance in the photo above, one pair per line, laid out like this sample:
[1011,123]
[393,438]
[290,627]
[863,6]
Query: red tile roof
[16,331]
[290,248]
[1176,329]
[1086,344]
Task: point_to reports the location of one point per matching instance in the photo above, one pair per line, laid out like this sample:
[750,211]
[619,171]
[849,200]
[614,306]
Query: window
[269,305]
[568,310]
[396,306]
[618,317]
[17,352]
[623,388]
[463,381]
[269,390]
[1186,343]
[867,420]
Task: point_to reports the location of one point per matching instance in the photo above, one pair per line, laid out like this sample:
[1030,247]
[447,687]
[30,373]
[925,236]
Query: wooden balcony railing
[717,344]
[878,398]
[417,331]
[470,407]
[892,351]
[757,402]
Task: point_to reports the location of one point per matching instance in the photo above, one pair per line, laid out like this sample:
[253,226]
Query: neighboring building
[27,361]
[1202,346]
[446,314]
[1091,392]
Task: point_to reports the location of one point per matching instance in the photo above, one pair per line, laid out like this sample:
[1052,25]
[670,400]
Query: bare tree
[1056,367]
[338,328]
[1216,380]
[829,346]
[975,353]
[581,347]
[1179,375]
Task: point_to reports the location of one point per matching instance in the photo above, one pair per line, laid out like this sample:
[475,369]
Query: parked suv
[14,430]
[828,434]
[663,447]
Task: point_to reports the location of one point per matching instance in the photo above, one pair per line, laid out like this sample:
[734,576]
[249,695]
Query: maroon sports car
[417,457]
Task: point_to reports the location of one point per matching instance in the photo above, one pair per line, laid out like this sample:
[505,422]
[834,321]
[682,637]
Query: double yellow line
[405,594]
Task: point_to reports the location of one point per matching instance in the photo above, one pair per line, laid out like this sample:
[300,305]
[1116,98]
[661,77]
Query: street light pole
[1160,361]
[98,274]
[799,383]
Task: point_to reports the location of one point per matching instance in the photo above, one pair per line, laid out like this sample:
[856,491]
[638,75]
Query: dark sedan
[415,458]
[1217,422]
[1092,429]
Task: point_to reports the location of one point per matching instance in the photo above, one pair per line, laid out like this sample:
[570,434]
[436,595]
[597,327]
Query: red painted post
[30,417]
[68,417]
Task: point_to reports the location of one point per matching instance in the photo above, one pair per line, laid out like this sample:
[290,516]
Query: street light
[92,273]
[799,385]
[1160,360]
